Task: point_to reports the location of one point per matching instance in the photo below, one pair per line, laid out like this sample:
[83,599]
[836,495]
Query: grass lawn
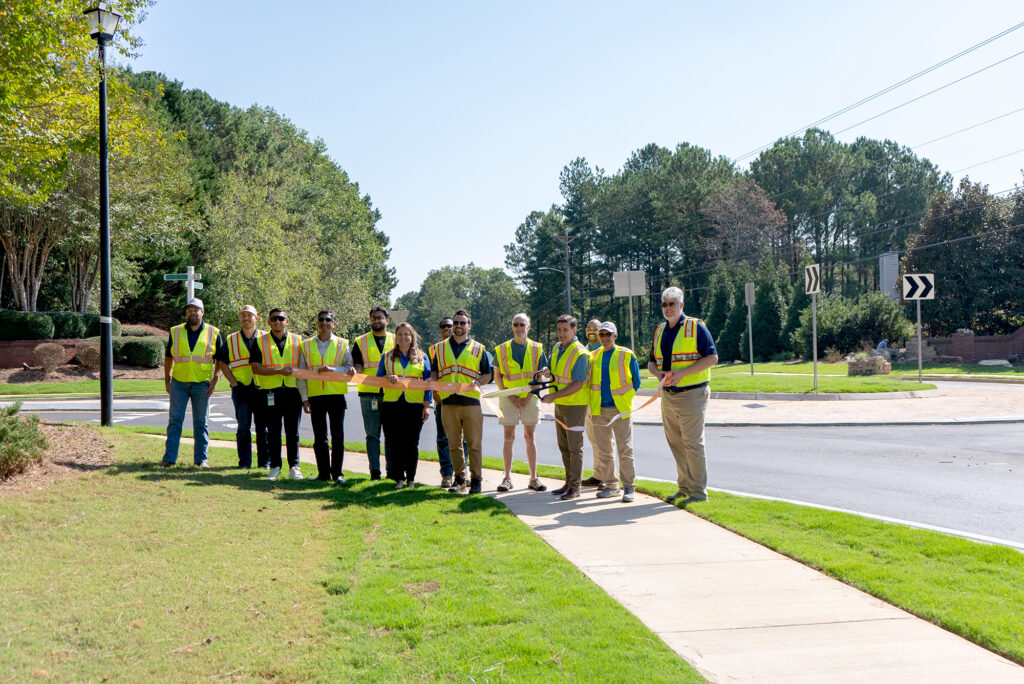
[91,387]
[138,573]
[779,377]
[910,369]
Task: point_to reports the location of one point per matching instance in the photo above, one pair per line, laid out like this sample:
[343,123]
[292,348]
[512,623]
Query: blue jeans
[181,393]
[371,425]
[247,400]
[444,456]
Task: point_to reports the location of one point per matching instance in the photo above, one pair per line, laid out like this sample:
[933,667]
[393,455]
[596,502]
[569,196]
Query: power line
[969,128]
[886,90]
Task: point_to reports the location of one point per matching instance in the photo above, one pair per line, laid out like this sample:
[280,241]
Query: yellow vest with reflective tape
[238,357]
[561,373]
[684,352]
[334,357]
[272,358]
[512,374]
[371,356]
[411,370]
[193,365]
[620,383]
[466,368]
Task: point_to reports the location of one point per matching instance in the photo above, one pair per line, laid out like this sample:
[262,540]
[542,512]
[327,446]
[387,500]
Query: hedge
[92,328]
[67,325]
[25,325]
[142,330]
[116,342]
[147,352]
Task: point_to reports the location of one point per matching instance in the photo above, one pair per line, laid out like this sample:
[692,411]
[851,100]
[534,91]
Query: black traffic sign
[918,286]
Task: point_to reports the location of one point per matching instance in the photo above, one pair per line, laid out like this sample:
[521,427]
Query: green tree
[730,337]
[766,317]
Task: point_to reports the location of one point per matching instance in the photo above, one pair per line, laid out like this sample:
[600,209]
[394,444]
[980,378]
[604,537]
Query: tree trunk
[27,242]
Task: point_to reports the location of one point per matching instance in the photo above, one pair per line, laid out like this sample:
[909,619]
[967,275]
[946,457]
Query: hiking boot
[458,485]
[627,494]
[608,493]
[475,485]
[506,485]
[446,482]
[538,486]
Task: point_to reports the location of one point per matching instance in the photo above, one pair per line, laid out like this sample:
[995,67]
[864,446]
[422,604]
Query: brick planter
[17,352]
[869,365]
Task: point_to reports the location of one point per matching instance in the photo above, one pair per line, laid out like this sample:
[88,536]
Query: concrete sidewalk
[736,610]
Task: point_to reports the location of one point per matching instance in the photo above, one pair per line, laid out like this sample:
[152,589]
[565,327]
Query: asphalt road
[966,479]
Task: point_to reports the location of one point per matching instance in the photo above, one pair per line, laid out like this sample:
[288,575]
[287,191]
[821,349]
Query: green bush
[20,441]
[25,325]
[142,330]
[92,327]
[88,354]
[67,325]
[147,352]
[49,356]
[844,323]
[117,343]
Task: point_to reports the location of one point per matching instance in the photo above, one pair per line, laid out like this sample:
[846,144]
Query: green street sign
[197,286]
[175,276]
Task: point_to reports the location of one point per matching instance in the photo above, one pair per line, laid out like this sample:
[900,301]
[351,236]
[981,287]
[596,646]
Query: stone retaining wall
[973,348]
[16,352]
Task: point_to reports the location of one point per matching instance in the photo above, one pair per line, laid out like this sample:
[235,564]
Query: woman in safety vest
[404,411]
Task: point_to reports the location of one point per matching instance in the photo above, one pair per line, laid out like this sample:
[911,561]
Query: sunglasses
[444,326]
[518,325]
[604,333]
[668,304]
[462,323]
[277,319]
[325,320]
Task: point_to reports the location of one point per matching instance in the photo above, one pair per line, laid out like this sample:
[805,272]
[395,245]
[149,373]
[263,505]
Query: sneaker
[475,485]
[506,485]
[678,495]
[627,494]
[295,473]
[458,485]
[202,464]
[409,484]
[274,472]
[165,464]
[374,475]
[446,482]
[400,484]
[340,480]
[538,486]
[609,492]
[691,500]
[591,482]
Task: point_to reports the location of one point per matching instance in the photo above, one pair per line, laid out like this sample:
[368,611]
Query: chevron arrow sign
[918,286]
[812,279]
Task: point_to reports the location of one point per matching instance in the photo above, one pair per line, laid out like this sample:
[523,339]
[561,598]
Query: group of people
[592,387]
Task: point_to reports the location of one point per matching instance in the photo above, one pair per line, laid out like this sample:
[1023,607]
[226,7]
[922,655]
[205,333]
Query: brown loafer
[561,490]
[570,494]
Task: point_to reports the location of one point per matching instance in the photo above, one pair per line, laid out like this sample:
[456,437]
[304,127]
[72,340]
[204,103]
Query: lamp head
[102,21]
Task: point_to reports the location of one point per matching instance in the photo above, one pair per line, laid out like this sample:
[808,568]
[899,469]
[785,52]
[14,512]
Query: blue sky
[457,117]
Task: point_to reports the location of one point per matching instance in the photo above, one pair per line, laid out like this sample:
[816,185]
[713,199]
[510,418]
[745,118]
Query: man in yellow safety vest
[367,351]
[593,344]
[684,351]
[614,380]
[244,393]
[194,356]
[275,356]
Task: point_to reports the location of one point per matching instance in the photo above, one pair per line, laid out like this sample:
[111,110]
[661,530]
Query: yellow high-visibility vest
[561,373]
[512,374]
[195,364]
[273,359]
[238,357]
[619,381]
[371,356]
[466,368]
[334,356]
[411,370]
[684,352]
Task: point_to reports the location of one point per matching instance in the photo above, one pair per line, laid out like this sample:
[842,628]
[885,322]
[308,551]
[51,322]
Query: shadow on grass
[358,489]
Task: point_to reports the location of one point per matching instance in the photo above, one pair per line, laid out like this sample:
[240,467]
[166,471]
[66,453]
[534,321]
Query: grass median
[138,572]
[91,387]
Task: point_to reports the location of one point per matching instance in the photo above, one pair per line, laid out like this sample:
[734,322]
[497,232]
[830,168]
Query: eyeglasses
[324,320]
[462,323]
[445,326]
[604,333]
[518,325]
[277,319]
[666,305]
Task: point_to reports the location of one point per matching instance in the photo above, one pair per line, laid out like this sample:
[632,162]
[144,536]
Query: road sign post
[630,284]
[191,279]
[812,286]
[748,290]
[918,286]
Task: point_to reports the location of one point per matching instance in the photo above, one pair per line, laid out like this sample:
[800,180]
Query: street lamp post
[568,296]
[103,23]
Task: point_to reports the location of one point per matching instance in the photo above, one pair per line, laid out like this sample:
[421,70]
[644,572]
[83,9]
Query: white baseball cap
[610,327]
[196,302]
[248,308]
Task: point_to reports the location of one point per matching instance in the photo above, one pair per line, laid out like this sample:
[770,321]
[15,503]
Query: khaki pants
[571,443]
[599,473]
[622,429]
[683,416]
[464,422]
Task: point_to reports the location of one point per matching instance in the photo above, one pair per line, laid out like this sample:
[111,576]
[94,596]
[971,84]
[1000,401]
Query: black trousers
[402,424]
[285,411]
[326,408]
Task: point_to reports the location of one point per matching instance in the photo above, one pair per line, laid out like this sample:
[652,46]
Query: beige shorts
[510,415]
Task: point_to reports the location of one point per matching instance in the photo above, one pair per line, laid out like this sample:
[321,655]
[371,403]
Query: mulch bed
[72,373]
[74,450]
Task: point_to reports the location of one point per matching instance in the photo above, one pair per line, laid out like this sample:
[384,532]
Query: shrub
[846,323]
[92,328]
[833,355]
[25,325]
[20,441]
[49,356]
[67,325]
[147,352]
[88,354]
[142,330]
[117,343]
